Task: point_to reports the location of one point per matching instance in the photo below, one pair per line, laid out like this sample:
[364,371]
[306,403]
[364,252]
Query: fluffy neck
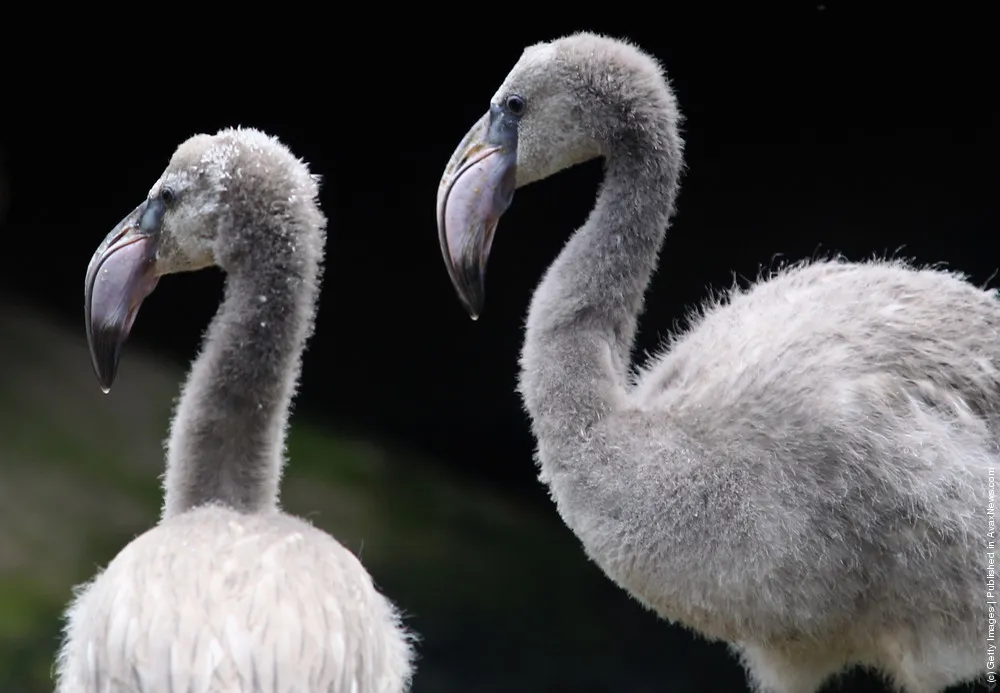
[582,322]
[228,434]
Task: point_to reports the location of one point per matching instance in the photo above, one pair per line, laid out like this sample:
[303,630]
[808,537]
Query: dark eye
[167,195]
[515,104]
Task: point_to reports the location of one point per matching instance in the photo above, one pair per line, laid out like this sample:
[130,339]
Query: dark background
[811,128]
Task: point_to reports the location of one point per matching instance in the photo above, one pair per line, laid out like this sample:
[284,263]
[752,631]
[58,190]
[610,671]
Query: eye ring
[168,195]
[515,104]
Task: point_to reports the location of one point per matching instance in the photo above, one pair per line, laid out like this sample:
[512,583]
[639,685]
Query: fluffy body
[218,601]
[804,474]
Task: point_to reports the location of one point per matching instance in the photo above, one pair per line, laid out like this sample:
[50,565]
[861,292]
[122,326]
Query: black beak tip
[107,379]
[472,301]
[105,355]
[474,309]
[471,286]
[473,298]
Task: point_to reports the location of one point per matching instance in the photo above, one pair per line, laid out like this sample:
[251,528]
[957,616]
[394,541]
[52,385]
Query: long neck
[228,434]
[582,322]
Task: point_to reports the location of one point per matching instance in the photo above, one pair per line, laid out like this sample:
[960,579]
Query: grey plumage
[227,593]
[804,473]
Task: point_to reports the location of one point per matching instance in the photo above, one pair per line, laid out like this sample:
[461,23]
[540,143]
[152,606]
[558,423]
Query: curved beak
[475,190]
[120,275]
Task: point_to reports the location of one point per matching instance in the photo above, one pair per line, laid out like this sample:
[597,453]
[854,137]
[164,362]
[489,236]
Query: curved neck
[582,322]
[227,438]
